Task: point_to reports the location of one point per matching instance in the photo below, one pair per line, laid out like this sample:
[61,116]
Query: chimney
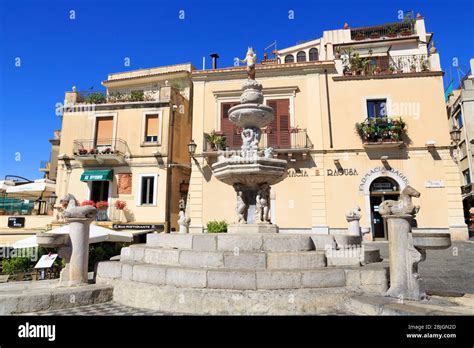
[214,57]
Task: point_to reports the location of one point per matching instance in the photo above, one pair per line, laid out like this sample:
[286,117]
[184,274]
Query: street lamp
[192,148]
[455,134]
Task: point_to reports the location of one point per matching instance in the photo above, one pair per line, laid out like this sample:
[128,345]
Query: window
[231,132]
[466,176]
[301,57]
[313,54]
[289,58]
[279,129]
[151,128]
[147,189]
[377,108]
[459,120]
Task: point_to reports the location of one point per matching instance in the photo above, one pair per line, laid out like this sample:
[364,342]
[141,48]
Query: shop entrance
[99,191]
[381,189]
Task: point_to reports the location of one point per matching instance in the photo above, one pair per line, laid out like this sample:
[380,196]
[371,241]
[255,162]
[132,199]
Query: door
[99,191]
[378,228]
[103,131]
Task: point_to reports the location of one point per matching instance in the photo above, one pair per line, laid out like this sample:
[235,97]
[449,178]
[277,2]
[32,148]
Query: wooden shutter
[279,129]
[152,125]
[229,130]
[103,130]
[383,63]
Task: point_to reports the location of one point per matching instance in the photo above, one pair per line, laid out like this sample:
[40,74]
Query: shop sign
[342,172]
[298,172]
[156,227]
[379,171]
[434,183]
[16,222]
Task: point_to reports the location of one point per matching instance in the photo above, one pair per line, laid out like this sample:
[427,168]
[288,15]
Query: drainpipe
[329,109]
[169,169]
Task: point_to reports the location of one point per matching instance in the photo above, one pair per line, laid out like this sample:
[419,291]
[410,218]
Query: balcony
[389,30]
[110,150]
[382,132]
[354,65]
[102,97]
[288,142]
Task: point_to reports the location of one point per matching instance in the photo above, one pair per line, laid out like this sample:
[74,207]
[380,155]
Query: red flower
[88,202]
[120,205]
[102,205]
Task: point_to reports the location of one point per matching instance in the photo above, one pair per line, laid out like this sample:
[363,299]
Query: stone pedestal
[353,227]
[77,253]
[252,228]
[404,258]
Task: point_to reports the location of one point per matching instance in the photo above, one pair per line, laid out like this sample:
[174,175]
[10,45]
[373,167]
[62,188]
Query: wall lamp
[192,148]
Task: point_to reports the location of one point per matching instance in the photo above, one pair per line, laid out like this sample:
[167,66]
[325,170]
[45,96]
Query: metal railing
[100,147]
[381,130]
[292,139]
[102,97]
[387,65]
[405,28]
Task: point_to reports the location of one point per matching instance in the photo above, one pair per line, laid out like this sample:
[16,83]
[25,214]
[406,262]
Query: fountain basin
[250,172]
[251,115]
[431,241]
[51,240]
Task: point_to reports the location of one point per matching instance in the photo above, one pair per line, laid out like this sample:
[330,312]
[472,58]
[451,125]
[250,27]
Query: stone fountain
[251,171]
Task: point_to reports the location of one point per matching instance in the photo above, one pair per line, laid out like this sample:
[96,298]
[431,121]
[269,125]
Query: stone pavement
[444,271]
[109,308]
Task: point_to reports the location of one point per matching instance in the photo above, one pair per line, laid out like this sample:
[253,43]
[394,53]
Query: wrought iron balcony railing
[99,148]
[392,30]
[385,65]
[293,139]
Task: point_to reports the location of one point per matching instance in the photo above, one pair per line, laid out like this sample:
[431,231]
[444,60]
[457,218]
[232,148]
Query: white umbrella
[97,234]
[41,187]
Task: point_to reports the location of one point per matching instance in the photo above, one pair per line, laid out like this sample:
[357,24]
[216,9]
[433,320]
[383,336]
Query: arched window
[301,57]
[313,54]
[384,184]
[289,58]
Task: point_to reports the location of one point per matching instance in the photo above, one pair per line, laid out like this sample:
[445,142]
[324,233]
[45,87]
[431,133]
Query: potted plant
[216,141]
[88,202]
[102,207]
[406,32]
[374,35]
[424,65]
[359,36]
[392,31]
[413,63]
[120,206]
[217,227]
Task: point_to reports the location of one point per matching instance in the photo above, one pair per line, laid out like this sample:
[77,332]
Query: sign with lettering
[16,222]
[46,261]
[156,227]
[342,172]
[381,171]
[434,183]
[298,172]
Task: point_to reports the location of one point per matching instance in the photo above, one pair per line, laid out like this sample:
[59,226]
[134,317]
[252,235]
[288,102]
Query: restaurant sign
[155,227]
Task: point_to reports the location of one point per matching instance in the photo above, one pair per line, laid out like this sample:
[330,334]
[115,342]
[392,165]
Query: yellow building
[129,144]
[359,115]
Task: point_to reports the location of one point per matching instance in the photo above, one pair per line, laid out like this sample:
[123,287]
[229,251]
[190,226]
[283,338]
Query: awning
[97,175]
[97,234]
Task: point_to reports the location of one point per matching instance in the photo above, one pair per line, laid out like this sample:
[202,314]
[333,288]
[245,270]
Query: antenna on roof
[274,43]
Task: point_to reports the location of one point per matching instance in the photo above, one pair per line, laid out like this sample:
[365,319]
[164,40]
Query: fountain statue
[406,248]
[252,170]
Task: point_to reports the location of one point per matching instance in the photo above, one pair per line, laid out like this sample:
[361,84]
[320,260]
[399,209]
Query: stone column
[75,272]
[404,258]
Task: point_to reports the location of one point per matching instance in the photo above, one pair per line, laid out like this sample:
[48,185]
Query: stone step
[352,256]
[232,242]
[218,278]
[170,299]
[284,260]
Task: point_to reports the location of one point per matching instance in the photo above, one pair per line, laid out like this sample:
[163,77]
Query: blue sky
[57,52]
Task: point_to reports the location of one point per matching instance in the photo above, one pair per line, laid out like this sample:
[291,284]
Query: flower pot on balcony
[375,36]
[406,33]
[359,37]
[392,35]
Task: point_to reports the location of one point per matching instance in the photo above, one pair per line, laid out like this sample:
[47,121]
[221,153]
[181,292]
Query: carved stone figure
[241,208]
[251,60]
[73,210]
[250,140]
[353,218]
[268,153]
[183,222]
[403,206]
[262,208]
